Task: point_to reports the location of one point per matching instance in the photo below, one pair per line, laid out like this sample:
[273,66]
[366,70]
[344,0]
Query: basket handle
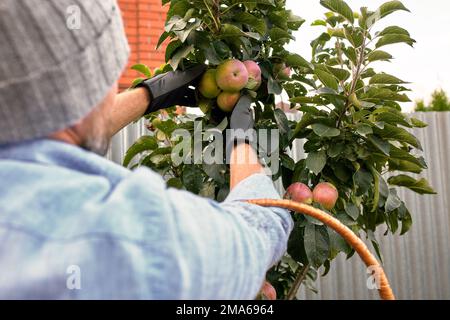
[352,239]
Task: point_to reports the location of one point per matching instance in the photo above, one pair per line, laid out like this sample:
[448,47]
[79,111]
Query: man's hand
[241,124]
[242,116]
[175,88]
[243,158]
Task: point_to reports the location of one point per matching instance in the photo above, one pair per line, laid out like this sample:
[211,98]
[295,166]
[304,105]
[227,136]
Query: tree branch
[301,275]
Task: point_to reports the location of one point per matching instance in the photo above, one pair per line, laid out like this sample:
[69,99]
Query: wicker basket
[360,247]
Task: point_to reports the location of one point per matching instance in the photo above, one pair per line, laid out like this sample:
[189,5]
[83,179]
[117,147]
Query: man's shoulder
[48,191]
[56,171]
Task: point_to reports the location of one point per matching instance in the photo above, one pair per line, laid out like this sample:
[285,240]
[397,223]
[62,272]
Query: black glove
[175,88]
[241,125]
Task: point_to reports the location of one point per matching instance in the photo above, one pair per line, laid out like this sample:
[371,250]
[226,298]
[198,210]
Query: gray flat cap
[58,60]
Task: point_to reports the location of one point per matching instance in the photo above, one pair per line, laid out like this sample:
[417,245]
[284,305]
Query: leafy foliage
[351,120]
[439,102]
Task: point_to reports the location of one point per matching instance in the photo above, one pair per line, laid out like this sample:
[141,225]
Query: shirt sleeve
[138,240]
[229,246]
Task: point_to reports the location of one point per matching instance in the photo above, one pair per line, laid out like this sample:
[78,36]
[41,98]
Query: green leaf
[304,100]
[402,165]
[287,162]
[319,23]
[175,183]
[162,38]
[375,94]
[193,178]
[167,127]
[249,19]
[307,120]
[142,68]
[352,210]
[339,73]
[379,55]
[393,201]
[394,38]
[418,123]
[380,144]
[137,81]
[296,246]
[278,18]
[171,48]
[350,53]
[364,129]
[324,131]
[419,186]
[394,30]
[397,153]
[327,79]
[216,172]
[180,55]
[391,116]
[175,23]
[184,34]
[145,143]
[368,73]
[178,8]
[316,161]
[384,78]
[375,245]
[317,244]
[390,7]
[335,150]
[294,22]
[391,132]
[274,87]
[337,244]
[208,190]
[231,31]
[406,223]
[340,7]
[280,35]
[297,61]
[355,36]
[282,121]
[363,181]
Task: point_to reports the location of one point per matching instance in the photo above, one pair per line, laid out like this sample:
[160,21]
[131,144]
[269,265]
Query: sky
[426,66]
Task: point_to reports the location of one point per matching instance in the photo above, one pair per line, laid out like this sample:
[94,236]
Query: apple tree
[356,136]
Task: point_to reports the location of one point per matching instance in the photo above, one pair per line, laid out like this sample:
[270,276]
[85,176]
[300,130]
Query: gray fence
[417,264]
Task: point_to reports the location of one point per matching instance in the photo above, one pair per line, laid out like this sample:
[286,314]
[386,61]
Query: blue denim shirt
[74,225]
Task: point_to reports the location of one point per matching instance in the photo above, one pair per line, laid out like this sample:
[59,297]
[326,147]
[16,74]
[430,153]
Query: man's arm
[128,107]
[244,163]
[131,105]
[160,92]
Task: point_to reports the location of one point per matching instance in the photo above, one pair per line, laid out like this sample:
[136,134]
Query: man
[76,226]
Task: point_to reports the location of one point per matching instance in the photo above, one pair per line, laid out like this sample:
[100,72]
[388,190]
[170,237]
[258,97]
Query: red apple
[232,76]
[208,85]
[268,291]
[282,71]
[299,192]
[228,100]
[254,75]
[325,194]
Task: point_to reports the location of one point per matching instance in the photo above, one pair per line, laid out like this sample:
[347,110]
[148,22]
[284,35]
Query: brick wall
[144,23]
